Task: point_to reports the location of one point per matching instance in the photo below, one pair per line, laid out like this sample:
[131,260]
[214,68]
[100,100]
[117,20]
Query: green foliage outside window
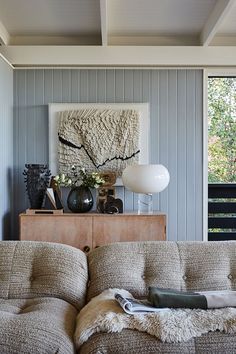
[222,130]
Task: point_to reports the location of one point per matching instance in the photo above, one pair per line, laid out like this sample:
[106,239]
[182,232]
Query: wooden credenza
[87,231]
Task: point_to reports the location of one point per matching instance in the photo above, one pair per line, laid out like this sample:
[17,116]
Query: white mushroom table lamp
[145,180]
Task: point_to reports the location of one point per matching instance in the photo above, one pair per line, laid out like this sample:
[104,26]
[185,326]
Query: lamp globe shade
[146,179]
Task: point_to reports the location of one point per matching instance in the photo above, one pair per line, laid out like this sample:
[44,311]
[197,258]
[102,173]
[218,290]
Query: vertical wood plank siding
[175,98]
[6,151]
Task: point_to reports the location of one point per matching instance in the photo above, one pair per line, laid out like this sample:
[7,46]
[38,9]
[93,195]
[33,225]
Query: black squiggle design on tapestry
[68,143]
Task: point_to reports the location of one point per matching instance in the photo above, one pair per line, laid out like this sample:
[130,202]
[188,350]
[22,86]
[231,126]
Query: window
[221,158]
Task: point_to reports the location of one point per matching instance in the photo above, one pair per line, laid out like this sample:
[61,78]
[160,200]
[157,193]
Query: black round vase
[37,180]
[80,199]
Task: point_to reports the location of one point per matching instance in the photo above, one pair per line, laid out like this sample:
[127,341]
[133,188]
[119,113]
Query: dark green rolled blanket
[159,297]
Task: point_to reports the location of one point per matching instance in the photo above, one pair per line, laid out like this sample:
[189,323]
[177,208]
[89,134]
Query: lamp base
[145,205]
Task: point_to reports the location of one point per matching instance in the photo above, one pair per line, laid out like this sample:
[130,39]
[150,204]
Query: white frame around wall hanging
[54,110]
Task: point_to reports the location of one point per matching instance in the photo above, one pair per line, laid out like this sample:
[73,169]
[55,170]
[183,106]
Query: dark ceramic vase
[37,179]
[80,199]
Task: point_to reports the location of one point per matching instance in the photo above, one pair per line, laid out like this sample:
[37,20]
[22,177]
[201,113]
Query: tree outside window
[222,130]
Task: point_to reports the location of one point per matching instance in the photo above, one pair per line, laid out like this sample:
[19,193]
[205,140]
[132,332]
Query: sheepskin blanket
[104,314]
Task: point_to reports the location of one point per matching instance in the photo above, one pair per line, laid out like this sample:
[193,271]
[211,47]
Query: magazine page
[132,306]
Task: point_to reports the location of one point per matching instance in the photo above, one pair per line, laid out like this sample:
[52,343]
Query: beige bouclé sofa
[44,286]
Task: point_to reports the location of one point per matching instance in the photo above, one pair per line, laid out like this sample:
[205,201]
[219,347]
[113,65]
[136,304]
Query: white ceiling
[50,17]
[118,22]
[151,17]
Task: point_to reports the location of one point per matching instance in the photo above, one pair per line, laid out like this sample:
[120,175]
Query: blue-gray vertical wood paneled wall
[176,137]
[6,151]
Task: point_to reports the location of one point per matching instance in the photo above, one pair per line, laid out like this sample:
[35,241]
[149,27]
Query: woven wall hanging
[98,139]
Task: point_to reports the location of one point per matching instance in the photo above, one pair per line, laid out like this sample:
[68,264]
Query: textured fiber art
[98,139]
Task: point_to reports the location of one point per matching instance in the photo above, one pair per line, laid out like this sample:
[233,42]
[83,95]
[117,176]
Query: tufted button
[184,277]
[143,276]
[31,278]
[230,276]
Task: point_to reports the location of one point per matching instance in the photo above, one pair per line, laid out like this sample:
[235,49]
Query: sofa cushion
[133,342]
[37,326]
[215,343]
[31,269]
[208,265]
[134,266]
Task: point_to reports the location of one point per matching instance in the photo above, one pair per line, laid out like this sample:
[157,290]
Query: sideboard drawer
[87,231]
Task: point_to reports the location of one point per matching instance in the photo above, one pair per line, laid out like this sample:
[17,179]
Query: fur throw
[104,314]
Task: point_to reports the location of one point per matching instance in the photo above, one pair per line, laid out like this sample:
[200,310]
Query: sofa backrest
[31,269]
[135,266]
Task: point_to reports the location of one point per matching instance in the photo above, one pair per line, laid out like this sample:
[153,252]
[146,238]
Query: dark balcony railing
[222,211]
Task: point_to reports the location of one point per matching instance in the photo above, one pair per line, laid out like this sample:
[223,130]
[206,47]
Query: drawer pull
[86,249]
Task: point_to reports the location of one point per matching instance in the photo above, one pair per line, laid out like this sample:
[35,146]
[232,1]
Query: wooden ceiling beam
[220,11]
[4,35]
[119,56]
[103,15]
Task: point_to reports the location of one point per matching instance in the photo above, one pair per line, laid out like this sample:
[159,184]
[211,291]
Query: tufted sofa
[43,286]
[180,265]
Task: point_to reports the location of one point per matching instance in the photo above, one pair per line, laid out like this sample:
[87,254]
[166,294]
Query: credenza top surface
[91,214]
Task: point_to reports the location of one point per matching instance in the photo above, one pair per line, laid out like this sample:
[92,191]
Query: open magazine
[133,306]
